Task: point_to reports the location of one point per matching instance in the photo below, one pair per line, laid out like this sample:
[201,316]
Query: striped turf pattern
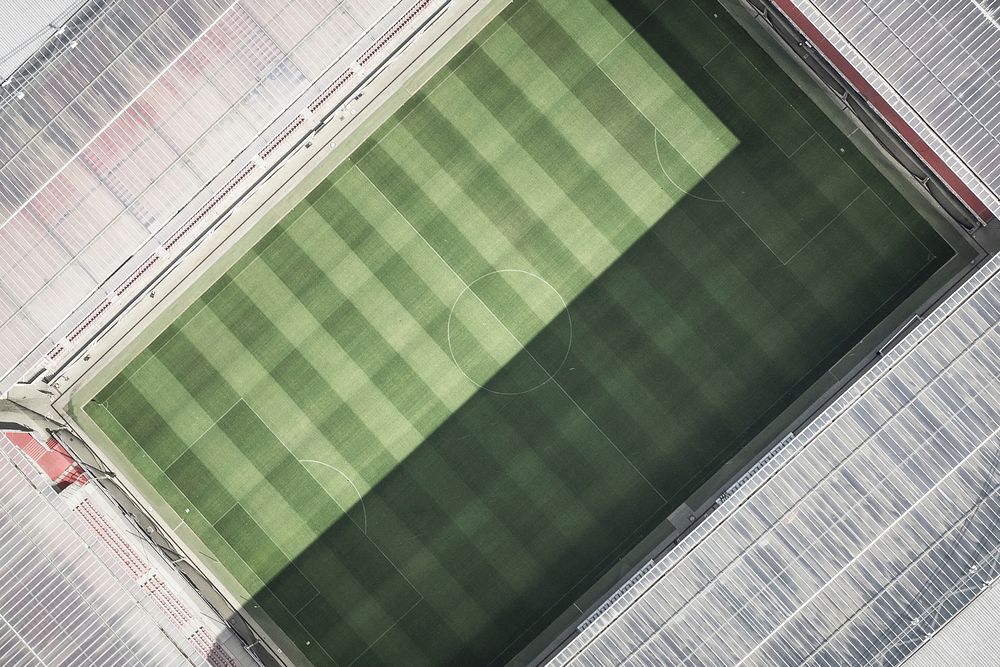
[383,420]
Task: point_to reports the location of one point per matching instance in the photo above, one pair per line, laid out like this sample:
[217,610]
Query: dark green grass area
[583,266]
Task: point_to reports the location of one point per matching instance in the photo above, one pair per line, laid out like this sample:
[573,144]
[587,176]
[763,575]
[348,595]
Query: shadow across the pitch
[688,345]
[517,503]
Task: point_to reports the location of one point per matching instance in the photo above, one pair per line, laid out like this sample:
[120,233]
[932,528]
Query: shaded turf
[384,420]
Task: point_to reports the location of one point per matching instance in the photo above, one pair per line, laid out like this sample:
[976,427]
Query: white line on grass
[344,513]
[282,231]
[816,133]
[233,279]
[836,345]
[824,227]
[511,334]
[685,193]
[308,602]
[440,83]
[636,27]
[775,89]
[263,584]
[386,631]
[203,434]
[361,498]
[721,200]
[548,375]
[803,144]
[267,535]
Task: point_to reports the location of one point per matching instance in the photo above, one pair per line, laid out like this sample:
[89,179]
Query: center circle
[510,331]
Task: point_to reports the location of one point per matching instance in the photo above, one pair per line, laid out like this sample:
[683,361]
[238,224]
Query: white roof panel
[856,540]
[933,63]
[61,603]
[27,26]
[150,111]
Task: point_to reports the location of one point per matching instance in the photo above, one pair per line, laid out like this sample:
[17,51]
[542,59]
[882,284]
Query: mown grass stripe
[683,341]
[493,195]
[207,493]
[437,207]
[772,113]
[196,372]
[142,419]
[681,116]
[299,380]
[405,331]
[424,349]
[358,557]
[365,221]
[337,316]
[578,178]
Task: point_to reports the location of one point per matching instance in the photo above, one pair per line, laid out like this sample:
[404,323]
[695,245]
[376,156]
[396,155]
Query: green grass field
[578,270]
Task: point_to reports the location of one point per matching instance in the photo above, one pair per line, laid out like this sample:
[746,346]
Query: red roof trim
[861,84]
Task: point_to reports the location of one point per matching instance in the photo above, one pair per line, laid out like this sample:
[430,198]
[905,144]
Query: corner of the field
[72,406]
[173,525]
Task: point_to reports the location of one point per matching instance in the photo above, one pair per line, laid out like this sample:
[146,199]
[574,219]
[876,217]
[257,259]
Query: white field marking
[844,339]
[307,602]
[722,200]
[684,193]
[379,142]
[565,309]
[22,640]
[205,305]
[118,115]
[263,584]
[701,175]
[370,540]
[511,334]
[203,434]
[981,390]
[440,83]
[291,561]
[803,144]
[361,498]
[816,133]
[775,89]
[386,631]
[649,16]
[823,228]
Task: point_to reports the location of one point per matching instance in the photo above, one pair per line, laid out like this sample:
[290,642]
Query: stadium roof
[27,26]
[135,122]
[858,539]
[952,646]
[61,602]
[932,69]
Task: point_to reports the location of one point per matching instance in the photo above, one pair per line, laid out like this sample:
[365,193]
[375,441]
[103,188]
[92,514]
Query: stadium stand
[64,601]
[52,458]
[28,28]
[859,539]
[128,137]
[852,544]
[123,139]
[870,537]
[951,645]
[929,70]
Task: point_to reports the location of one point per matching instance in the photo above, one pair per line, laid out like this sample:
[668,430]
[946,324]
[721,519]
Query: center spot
[510,331]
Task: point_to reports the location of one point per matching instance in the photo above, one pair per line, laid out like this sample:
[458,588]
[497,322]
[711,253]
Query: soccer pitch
[595,255]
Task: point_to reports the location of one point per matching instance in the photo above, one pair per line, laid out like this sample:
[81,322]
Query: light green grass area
[585,264]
